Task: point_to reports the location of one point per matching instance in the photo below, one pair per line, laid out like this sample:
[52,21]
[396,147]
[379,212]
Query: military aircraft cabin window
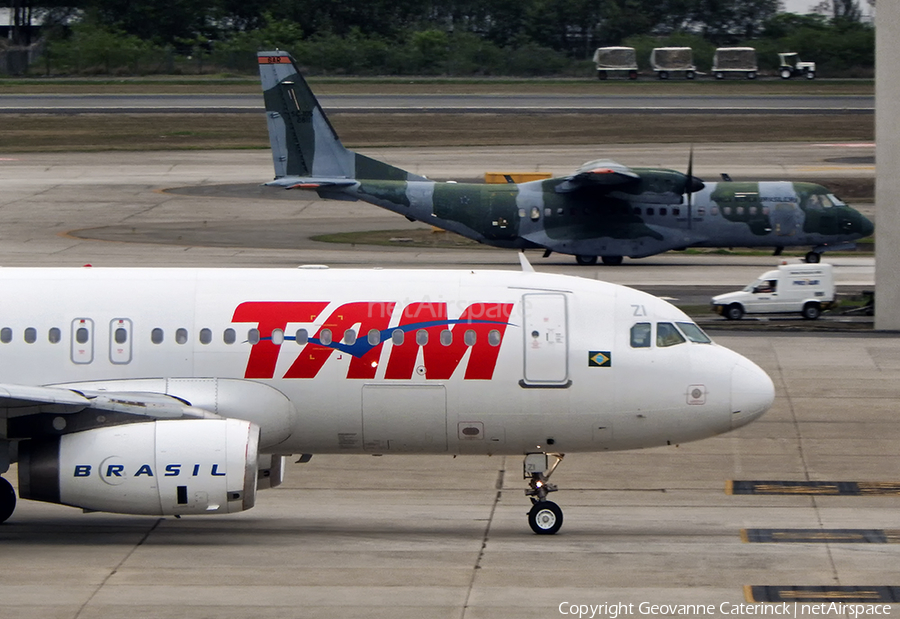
[522,213]
[470,337]
[535,213]
[753,210]
[701,211]
[349,337]
[446,337]
[676,211]
[156,336]
[726,210]
[548,211]
[301,337]
[739,210]
[397,337]
[637,210]
[30,335]
[694,333]
[325,337]
[374,337]
[6,335]
[205,336]
[278,337]
[649,210]
[422,337]
[663,211]
[54,335]
[640,335]
[229,336]
[714,210]
[765,210]
[668,335]
[253,336]
[494,337]
[560,211]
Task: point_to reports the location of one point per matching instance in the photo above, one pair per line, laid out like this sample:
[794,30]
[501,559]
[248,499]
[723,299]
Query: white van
[803,288]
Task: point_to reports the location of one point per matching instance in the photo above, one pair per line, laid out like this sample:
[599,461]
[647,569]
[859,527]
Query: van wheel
[810,75]
[813,257]
[663,75]
[751,75]
[811,311]
[689,75]
[785,74]
[734,311]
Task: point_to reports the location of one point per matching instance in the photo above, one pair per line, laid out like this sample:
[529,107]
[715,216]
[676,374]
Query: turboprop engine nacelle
[185,466]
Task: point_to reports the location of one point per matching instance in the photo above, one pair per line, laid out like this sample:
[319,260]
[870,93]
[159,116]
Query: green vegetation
[434,37]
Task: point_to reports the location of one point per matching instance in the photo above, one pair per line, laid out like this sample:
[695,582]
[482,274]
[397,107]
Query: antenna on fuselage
[526,266]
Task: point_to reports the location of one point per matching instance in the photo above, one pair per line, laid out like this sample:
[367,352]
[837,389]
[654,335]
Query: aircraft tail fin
[304,144]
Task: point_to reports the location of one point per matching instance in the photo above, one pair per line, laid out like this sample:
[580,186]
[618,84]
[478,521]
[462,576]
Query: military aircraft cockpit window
[694,333]
[640,335]
[836,201]
[668,335]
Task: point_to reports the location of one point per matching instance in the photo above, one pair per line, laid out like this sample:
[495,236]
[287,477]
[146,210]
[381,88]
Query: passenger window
[397,337]
[325,337]
[205,336]
[470,337]
[422,337]
[6,335]
[156,336]
[229,336]
[668,335]
[694,333]
[446,337]
[253,336]
[374,337]
[640,335]
[494,337]
[349,337]
[120,341]
[55,335]
[30,335]
[82,335]
[277,337]
[181,336]
[302,337]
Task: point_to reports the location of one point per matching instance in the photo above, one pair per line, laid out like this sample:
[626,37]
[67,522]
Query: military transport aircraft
[178,391]
[604,209]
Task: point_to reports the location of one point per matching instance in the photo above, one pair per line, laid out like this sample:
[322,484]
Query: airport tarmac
[361,536]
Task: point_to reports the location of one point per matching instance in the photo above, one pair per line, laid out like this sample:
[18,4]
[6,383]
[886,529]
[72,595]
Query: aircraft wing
[21,400]
[296,182]
[602,174]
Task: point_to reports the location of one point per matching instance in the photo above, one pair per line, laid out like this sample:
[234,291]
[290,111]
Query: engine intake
[172,467]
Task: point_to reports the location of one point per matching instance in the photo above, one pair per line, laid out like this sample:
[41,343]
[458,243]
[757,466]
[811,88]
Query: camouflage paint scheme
[604,209]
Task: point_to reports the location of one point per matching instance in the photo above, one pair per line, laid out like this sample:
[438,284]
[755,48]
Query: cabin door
[546,339]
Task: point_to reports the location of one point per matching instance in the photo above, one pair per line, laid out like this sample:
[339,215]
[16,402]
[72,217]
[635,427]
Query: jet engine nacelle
[184,466]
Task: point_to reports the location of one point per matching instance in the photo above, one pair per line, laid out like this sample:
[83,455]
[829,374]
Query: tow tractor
[792,66]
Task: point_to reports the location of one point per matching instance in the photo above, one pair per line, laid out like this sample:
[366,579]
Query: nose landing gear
[545,517]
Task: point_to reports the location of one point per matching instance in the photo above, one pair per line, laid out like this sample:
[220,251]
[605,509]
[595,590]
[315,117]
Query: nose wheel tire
[612,261]
[545,518]
[586,260]
[7,500]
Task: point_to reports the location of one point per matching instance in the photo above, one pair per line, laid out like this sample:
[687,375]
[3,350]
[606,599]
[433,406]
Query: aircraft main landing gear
[545,517]
[7,500]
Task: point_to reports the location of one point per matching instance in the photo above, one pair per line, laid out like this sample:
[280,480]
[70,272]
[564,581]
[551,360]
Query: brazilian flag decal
[599,359]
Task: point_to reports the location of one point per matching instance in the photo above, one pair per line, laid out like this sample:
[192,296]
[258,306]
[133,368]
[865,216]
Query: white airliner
[180,391]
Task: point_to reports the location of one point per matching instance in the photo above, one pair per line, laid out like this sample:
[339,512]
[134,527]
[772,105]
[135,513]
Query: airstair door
[546,339]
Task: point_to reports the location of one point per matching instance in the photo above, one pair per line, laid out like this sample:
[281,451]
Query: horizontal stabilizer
[294,182]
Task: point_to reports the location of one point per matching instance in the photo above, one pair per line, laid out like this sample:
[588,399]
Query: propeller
[691,184]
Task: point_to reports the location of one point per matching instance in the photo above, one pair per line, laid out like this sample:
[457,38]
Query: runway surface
[423,537]
[448,103]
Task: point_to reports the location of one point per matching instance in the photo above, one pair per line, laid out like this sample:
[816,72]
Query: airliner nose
[752,393]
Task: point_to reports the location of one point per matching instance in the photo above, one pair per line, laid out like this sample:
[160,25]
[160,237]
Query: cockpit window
[640,335]
[694,333]
[837,201]
[668,335]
